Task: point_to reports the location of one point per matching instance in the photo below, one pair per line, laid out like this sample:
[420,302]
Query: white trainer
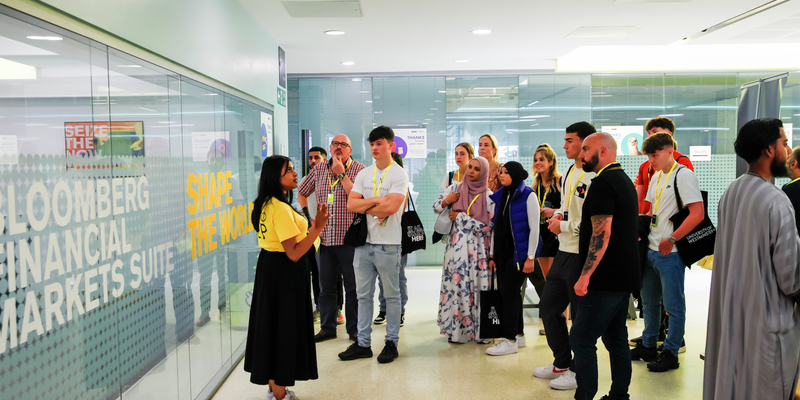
[549,372]
[502,347]
[520,341]
[566,381]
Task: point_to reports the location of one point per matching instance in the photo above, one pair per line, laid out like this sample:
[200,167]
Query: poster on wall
[281,67]
[699,153]
[215,144]
[629,139]
[105,138]
[266,135]
[9,155]
[411,143]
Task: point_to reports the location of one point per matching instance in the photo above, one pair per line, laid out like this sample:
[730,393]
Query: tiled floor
[430,368]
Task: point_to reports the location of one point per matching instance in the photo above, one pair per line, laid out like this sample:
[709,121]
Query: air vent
[601,31]
[323,9]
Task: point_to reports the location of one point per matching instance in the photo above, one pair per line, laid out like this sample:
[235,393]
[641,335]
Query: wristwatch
[339,176]
[530,257]
[673,240]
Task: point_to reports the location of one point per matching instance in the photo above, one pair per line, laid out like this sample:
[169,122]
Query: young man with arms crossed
[559,291]
[379,191]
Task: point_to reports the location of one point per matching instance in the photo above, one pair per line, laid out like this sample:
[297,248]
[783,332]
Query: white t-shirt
[395,181]
[667,205]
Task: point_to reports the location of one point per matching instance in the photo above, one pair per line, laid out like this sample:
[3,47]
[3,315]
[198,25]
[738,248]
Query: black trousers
[537,280]
[558,294]
[313,264]
[509,281]
[337,262]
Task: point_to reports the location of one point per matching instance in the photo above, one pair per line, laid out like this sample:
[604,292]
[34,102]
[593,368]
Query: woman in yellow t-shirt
[280,338]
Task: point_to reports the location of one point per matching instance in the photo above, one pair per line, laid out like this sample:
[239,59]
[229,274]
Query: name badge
[330,198]
[566,215]
[654,220]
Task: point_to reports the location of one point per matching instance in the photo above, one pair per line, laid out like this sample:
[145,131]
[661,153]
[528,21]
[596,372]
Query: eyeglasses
[343,145]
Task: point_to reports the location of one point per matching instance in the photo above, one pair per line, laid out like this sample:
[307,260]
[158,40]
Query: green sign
[281,97]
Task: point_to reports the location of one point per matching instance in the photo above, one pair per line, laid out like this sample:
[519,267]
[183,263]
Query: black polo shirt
[612,193]
[792,190]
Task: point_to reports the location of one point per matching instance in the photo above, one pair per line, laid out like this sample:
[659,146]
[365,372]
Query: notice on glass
[700,153]
[9,155]
[411,143]
[266,135]
[629,139]
[216,144]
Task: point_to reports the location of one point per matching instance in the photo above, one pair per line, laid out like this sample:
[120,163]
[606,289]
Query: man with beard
[664,274]
[332,181]
[792,189]
[753,333]
[610,272]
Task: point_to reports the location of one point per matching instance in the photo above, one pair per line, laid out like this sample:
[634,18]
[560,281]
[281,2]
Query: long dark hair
[269,186]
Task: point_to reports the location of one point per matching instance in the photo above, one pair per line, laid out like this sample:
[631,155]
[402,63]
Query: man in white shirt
[559,290]
[380,192]
[665,271]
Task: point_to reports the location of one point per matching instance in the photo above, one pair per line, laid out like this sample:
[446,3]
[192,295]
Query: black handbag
[413,231]
[700,241]
[491,303]
[357,232]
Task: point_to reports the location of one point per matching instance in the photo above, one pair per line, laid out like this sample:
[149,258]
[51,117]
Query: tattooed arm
[601,231]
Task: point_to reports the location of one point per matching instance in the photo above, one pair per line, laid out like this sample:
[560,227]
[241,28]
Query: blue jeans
[601,314]
[403,288]
[371,261]
[664,279]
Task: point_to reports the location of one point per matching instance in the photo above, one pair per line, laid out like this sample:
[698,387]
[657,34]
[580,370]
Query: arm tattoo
[597,241]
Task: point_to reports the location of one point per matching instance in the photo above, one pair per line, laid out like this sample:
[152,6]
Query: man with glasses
[332,181]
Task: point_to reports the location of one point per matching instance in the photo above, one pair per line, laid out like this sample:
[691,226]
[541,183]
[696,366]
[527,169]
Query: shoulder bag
[700,241]
[357,232]
[413,231]
[491,311]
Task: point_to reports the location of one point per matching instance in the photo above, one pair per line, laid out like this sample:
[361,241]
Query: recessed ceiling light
[443,91]
[356,79]
[129,66]
[671,115]
[210,94]
[364,91]
[45,38]
[482,31]
[452,78]
[334,33]
[347,63]
[460,61]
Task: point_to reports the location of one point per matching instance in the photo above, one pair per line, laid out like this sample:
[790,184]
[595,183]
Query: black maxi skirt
[280,337]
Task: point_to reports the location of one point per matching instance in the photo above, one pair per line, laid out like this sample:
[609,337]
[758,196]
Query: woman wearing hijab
[465,271]
[515,238]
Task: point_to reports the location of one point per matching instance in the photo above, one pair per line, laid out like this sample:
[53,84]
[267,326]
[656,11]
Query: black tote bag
[491,303]
[413,231]
[700,241]
[357,232]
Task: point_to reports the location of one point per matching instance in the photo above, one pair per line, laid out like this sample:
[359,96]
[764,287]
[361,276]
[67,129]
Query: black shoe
[323,335]
[355,351]
[203,320]
[402,320]
[380,319]
[353,337]
[665,362]
[388,354]
[635,341]
[681,350]
[643,353]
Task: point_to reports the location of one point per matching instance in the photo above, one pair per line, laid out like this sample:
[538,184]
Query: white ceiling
[428,35]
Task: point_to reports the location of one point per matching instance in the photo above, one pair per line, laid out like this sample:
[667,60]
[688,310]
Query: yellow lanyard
[458,175]
[572,185]
[546,192]
[793,181]
[604,168]
[659,192]
[377,186]
[349,162]
[473,201]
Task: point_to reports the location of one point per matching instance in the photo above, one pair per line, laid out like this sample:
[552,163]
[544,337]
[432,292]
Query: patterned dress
[465,273]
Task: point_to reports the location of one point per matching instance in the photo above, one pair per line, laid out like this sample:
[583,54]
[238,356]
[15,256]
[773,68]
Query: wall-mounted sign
[629,139]
[411,143]
[700,153]
[281,68]
[104,138]
[214,144]
[266,135]
[9,155]
[281,97]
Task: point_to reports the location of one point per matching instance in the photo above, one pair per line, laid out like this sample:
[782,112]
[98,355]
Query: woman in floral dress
[465,271]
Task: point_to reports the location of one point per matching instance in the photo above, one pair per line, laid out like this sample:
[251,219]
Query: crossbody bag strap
[410,200]
[677,192]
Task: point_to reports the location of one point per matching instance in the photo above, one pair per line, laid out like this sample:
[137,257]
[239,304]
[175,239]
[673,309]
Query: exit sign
[281,97]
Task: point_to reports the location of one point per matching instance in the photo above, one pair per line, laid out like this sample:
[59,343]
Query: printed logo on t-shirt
[581,190]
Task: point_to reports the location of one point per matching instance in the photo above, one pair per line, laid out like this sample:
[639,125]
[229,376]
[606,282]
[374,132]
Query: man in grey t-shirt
[379,191]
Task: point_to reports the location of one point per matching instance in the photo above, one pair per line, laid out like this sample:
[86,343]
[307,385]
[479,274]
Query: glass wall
[523,111]
[125,189]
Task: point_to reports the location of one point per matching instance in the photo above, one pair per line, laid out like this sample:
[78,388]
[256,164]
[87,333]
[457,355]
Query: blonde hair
[494,144]
[550,155]
[468,148]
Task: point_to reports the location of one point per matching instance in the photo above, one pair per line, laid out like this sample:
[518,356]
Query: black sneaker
[322,336]
[402,320]
[380,319]
[665,362]
[355,351]
[388,354]
[681,350]
[635,341]
[643,353]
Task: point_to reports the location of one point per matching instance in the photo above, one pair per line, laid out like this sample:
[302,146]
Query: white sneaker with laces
[502,347]
[549,372]
[520,341]
[566,381]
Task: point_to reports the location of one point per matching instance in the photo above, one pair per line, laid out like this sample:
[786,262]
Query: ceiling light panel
[323,9]
[334,33]
[601,32]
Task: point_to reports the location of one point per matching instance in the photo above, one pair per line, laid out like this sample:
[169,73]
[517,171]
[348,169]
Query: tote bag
[491,315]
[413,231]
[700,241]
[357,232]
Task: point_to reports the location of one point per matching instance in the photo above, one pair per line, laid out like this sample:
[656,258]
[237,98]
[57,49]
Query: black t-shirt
[793,191]
[612,193]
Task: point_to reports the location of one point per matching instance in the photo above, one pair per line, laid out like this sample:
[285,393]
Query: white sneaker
[289,395]
[566,381]
[502,347]
[548,372]
[520,341]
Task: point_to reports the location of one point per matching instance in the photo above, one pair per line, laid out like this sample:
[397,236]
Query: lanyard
[793,181]
[572,185]
[349,162]
[473,200]
[377,186]
[546,192]
[604,168]
[458,175]
[659,192]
